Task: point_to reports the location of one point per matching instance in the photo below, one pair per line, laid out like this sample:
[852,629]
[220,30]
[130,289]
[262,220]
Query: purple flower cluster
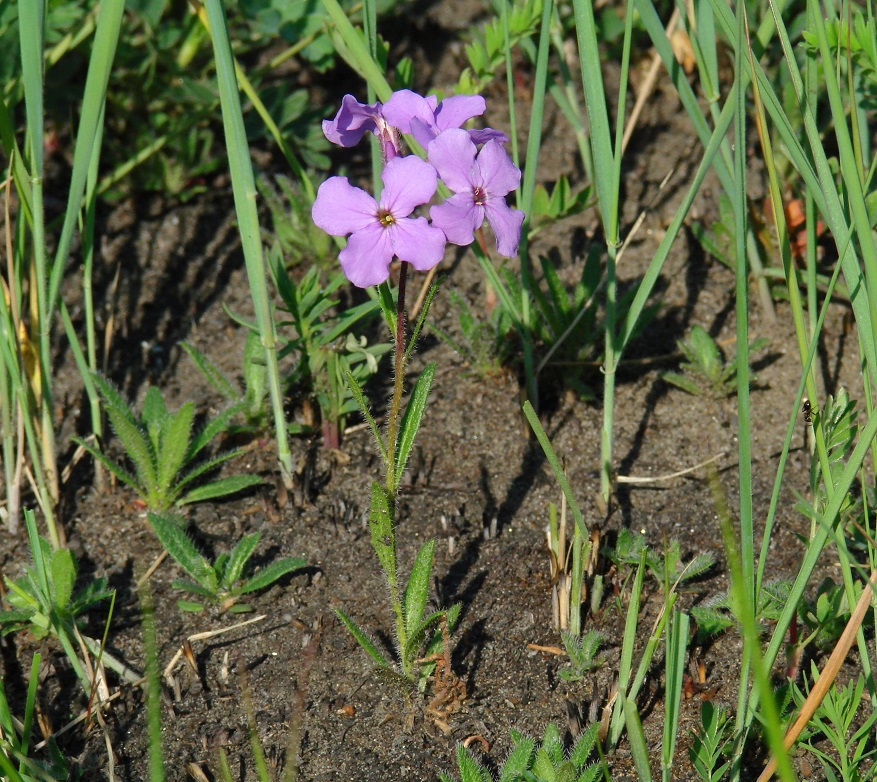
[382,230]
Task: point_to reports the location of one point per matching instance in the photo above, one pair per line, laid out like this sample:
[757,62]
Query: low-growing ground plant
[711,748]
[835,720]
[705,371]
[320,339]
[161,446]
[223,582]
[582,651]
[45,602]
[547,761]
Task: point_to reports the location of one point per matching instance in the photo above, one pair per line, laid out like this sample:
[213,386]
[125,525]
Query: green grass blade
[558,470]
[244,189]
[638,746]
[675,672]
[100,63]
[360,59]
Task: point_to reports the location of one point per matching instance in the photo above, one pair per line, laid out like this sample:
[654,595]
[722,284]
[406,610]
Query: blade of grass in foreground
[244,189]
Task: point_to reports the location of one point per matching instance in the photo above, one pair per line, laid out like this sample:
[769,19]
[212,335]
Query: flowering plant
[382,228]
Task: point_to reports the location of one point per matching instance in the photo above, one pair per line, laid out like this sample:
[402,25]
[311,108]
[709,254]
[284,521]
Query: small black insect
[808,411]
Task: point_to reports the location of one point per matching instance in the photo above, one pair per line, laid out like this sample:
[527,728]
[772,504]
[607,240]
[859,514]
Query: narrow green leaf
[366,414]
[63,577]
[638,747]
[382,531]
[417,635]
[271,573]
[203,468]
[138,447]
[211,372]
[174,444]
[233,567]
[417,589]
[216,425]
[362,639]
[558,470]
[122,474]
[519,759]
[412,418]
[189,606]
[221,488]
[170,530]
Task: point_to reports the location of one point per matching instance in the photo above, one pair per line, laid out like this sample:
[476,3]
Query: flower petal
[498,174]
[351,122]
[366,259]
[454,111]
[483,135]
[506,224]
[408,182]
[405,105]
[340,208]
[458,217]
[416,241]
[453,155]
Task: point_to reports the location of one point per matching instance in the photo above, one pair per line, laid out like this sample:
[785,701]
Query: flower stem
[399,378]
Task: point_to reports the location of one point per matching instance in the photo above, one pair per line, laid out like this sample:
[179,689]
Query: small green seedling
[226,580]
[253,399]
[711,747]
[582,653]
[528,763]
[835,718]
[484,343]
[44,601]
[323,343]
[705,372]
[667,567]
[161,446]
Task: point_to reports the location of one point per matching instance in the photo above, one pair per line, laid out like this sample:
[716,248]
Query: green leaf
[269,574]
[221,488]
[120,473]
[383,536]
[190,606]
[366,413]
[174,444]
[170,531]
[232,569]
[205,467]
[139,449]
[470,769]
[412,418]
[680,381]
[155,411]
[416,637]
[63,577]
[519,759]
[417,589]
[362,639]
[216,425]
[211,372]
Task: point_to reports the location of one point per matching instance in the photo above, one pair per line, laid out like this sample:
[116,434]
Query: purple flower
[354,120]
[425,118]
[378,231]
[480,181]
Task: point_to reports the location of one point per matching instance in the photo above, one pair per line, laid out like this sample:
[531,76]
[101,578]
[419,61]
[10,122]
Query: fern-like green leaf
[221,488]
[271,573]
